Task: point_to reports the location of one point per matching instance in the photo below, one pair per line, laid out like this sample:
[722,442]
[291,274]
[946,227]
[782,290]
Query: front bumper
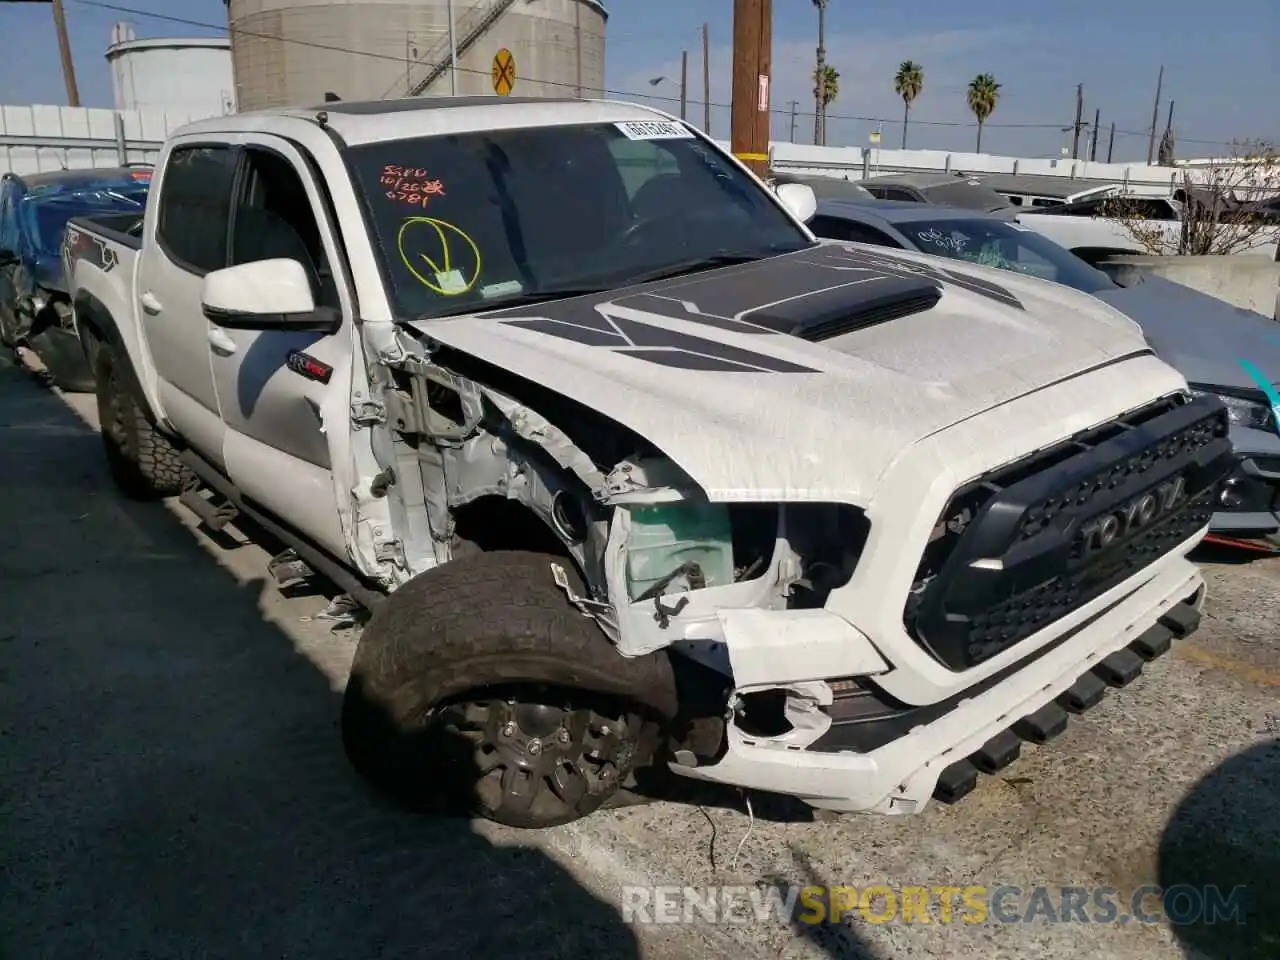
[1105,642]
[1250,504]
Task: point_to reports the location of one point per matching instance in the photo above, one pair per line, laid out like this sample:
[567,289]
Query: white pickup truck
[633,472]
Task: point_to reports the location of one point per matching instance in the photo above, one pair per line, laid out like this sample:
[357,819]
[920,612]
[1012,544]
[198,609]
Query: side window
[861,233]
[195,202]
[834,228]
[830,228]
[892,193]
[274,219]
[1086,208]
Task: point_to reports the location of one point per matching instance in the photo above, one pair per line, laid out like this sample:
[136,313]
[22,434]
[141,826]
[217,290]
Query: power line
[334,48]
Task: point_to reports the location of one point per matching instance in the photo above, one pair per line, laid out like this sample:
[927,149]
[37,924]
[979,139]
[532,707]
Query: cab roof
[375,121]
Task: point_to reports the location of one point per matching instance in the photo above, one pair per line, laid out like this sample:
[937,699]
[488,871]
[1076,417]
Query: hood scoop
[854,306]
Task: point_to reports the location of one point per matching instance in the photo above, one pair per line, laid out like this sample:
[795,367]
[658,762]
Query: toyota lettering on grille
[1139,513]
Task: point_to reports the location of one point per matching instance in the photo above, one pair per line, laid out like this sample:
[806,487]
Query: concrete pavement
[173,783]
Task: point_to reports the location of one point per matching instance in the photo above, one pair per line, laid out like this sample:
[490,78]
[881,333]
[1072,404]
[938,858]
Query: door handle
[150,304]
[221,343]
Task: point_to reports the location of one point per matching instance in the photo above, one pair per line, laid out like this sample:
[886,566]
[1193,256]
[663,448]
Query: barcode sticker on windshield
[654,130]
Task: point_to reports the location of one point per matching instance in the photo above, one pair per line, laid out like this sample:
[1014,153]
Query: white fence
[856,163]
[39,138]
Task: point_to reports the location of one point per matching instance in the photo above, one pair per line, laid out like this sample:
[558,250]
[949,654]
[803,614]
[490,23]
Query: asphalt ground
[172,785]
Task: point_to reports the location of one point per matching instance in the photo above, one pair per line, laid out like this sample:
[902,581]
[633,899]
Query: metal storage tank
[184,75]
[293,52]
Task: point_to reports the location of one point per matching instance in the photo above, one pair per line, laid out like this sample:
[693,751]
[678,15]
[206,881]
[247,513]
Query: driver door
[274,407]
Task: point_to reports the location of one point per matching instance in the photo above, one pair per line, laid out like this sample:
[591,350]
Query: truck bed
[124,229]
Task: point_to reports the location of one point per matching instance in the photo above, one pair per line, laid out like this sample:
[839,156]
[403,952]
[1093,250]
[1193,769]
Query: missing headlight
[674,547]
[829,539]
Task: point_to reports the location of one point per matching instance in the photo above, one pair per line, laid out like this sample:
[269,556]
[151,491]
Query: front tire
[478,685]
[142,462]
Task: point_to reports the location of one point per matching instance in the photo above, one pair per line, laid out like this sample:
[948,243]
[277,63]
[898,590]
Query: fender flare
[96,327]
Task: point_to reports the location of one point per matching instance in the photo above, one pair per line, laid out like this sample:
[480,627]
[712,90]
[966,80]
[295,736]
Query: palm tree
[826,87]
[819,122]
[983,94]
[907,83]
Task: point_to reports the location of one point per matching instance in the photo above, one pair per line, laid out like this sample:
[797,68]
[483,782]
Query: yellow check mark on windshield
[444,246]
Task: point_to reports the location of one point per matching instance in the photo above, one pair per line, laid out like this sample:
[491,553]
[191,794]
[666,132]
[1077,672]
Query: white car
[632,469]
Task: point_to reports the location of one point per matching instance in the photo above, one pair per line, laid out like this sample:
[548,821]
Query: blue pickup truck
[35,311]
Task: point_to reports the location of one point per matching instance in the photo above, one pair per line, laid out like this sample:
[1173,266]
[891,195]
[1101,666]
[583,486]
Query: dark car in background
[948,189]
[35,311]
[1222,350]
[824,188]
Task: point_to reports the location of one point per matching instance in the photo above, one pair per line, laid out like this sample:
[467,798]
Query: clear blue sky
[1223,72]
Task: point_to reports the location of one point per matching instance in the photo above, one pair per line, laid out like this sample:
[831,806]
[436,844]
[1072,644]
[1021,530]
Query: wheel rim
[538,761]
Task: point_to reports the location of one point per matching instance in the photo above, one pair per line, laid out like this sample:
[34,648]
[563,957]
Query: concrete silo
[183,75]
[294,51]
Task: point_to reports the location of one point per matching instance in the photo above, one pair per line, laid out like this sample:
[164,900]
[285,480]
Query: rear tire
[143,463]
[478,685]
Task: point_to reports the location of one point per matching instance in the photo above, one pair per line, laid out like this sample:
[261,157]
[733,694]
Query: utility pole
[684,79]
[1112,142]
[1075,134]
[1168,125]
[752,55]
[1155,114]
[1093,140]
[820,75]
[706,82]
[64,48]
[794,104]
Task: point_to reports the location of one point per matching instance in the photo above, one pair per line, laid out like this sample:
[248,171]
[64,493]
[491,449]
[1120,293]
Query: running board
[315,558]
[213,515]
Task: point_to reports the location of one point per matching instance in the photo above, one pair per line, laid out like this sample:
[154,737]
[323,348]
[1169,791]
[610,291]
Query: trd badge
[309,367]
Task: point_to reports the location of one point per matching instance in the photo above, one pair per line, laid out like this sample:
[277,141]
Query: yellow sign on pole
[875,136]
[503,72]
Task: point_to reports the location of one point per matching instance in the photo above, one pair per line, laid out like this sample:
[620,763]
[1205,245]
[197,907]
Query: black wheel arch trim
[94,322]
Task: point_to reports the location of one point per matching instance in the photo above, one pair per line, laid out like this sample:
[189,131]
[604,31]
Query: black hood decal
[801,294]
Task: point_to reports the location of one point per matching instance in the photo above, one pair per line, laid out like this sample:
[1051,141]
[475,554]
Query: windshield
[1009,246]
[47,216]
[473,221]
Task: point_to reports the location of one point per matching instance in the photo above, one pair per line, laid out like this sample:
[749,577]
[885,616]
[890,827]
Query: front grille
[1032,542]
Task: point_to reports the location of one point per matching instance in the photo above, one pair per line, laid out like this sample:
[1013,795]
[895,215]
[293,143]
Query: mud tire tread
[481,621]
[145,465]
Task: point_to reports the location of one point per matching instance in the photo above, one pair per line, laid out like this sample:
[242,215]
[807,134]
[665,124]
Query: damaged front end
[479,458]
[44,323]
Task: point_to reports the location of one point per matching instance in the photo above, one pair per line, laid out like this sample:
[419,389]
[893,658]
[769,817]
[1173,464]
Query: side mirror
[8,258]
[799,198]
[265,295]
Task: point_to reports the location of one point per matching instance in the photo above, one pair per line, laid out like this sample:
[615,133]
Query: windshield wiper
[520,300]
[698,264]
